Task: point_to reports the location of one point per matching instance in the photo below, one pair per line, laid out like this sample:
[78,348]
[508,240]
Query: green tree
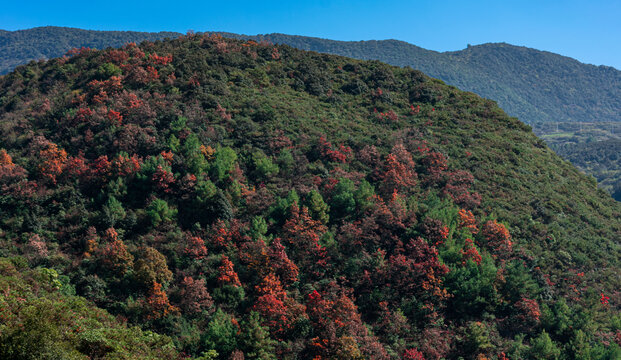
[221,334]
[159,212]
[264,168]
[112,212]
[343,202]
[317,207]
[542,347]
[255,339]
[223,163]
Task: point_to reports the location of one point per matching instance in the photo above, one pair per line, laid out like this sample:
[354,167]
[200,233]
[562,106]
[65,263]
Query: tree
[317,207]
[195,247]
[434,230]
[282,266]
[528,315]
[399,174]
[162,179]
[457,188]
[434,165]
[467,220]
[542,347]
[223,163]
[301,233]
[113,212]
[470,253]
[227,274]
[333,153]
[477,338]
[52,160]
[472,288]
[343,203]
[194,297]
[151,267]
[413,354]
[221,333]
[264,168]
[159,212]
[114,255]
[338,327]
[157,304]
[276,308]
[497,239]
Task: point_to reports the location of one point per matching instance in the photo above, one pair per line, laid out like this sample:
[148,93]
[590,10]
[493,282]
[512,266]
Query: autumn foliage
[227,276]
[250,200]
[497,238]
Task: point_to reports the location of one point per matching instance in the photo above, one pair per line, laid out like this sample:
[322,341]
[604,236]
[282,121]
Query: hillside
[20,47]
[535,86]
[601,158]
[256,201]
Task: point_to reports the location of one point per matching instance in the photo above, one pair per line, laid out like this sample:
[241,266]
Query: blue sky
[589,31]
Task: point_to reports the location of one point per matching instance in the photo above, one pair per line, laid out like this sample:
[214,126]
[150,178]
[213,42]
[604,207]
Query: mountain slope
[22,46]
[536,86]
[267,202]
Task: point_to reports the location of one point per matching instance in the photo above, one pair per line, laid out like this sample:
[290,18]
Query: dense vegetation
[257,201]
[540,88]
[530,84]
[22,46]
[602,159]
[41,318]
[533,85]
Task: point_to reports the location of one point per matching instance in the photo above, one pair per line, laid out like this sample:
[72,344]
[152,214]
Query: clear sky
[588,30]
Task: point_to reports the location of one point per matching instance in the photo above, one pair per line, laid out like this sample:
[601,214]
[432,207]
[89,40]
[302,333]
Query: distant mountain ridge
[536,86]
[21,46]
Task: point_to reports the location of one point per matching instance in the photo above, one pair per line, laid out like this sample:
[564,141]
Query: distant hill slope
[22,46]
[535,86]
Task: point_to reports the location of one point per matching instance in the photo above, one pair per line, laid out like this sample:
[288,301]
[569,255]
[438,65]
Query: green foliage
[484,70]
[477,338]
[264,168]
[39,322]
[255,339]
[281,210]
[108,70]
[363,195]
[542,347]
[194,159]
[598,157]
[317,207]
[223,163]
[473,288]
[221,333]
[258,227]
[159,212]
[113,212]
[229,295]
[343,202]
[34,44]
[556,318]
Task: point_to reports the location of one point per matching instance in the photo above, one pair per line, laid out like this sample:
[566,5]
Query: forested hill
[22,46]
[535,86]
[253,201]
